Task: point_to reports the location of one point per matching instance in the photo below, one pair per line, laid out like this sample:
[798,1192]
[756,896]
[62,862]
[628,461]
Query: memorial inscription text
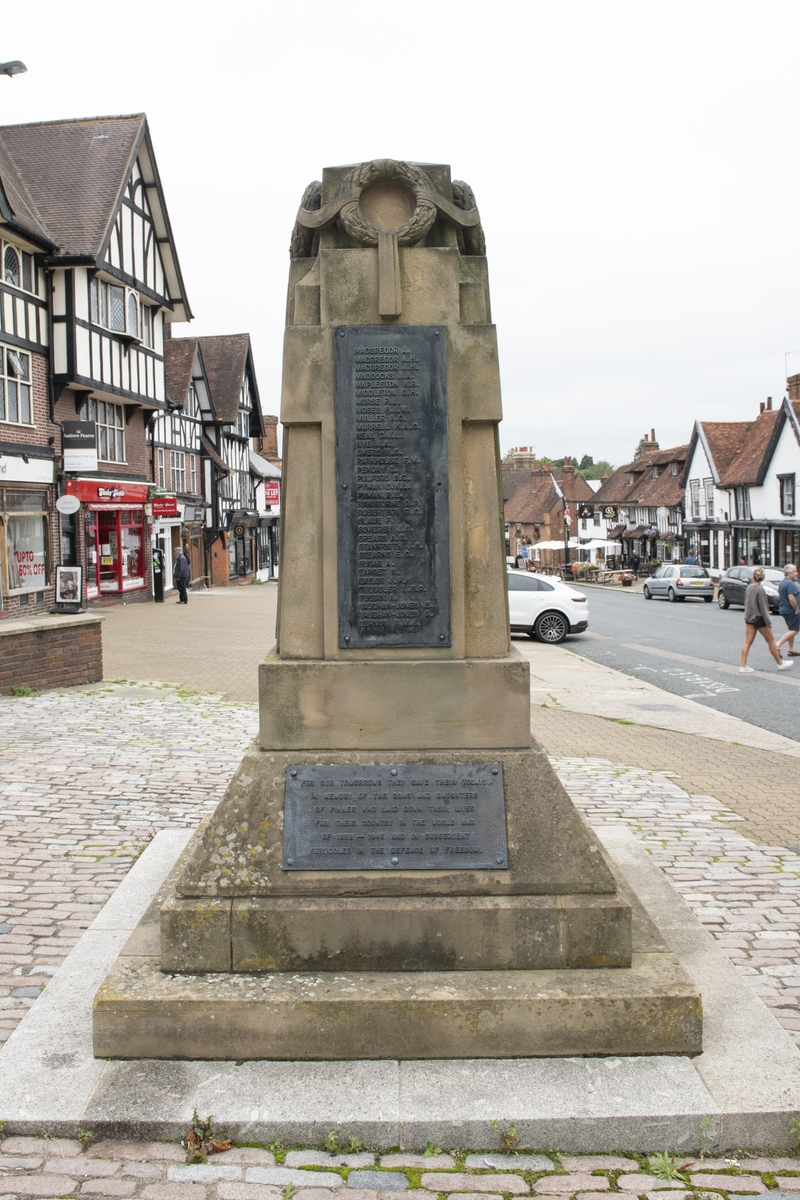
[391,455]
[412,817]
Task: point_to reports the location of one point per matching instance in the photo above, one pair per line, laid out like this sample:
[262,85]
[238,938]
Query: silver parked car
[676,581]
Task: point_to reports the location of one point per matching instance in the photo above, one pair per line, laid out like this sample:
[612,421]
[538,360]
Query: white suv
[544,607]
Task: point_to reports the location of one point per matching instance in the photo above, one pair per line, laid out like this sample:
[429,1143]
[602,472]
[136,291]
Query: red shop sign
[272,493]
[165,506]
[107,491]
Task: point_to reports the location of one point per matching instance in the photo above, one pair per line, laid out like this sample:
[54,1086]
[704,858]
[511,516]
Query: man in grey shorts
[789,607]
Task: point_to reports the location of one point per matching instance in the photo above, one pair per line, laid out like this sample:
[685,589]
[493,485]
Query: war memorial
[396,917]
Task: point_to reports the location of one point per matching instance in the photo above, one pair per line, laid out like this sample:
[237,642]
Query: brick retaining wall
[50,652]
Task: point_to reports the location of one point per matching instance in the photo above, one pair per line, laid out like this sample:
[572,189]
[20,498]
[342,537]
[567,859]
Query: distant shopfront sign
[165,506]
[80,445]
[107,491]
[14,469]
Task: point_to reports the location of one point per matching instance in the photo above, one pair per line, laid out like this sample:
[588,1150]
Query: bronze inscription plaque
[392,486]
[445,817]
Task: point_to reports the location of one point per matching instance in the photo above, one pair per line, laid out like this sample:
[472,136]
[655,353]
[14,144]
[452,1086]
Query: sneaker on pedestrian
[746,670]
[785,665]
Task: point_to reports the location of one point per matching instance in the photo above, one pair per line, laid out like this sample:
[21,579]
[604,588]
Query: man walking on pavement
[789,607]
[182,574]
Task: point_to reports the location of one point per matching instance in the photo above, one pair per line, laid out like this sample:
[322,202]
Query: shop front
[26,566]
[242,544]
[787,546]
[113,534]
[752,545]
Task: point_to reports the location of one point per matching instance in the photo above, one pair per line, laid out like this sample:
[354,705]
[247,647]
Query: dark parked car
[733,585]
[676,581]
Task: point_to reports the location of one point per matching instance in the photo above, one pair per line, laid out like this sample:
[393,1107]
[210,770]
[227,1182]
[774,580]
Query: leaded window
[108,307]
[15,387]
[11,271]
[110,421]
[178,464]
[18,268]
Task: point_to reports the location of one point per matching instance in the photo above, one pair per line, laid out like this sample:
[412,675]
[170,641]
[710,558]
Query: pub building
[87,194]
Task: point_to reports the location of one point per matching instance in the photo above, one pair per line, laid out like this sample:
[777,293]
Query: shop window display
[114,551]
[24,521]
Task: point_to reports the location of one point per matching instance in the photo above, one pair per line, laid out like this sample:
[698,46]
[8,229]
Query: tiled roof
[725,440]
[66,176]
[531,500]
[224,359]
[178,358]
[665,491]
[214,455]
[22,211]
[747,466]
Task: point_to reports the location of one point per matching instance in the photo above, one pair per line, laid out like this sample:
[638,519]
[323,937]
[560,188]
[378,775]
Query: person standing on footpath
[634,565]
[691,560]
[756,617]
[789,607]
[182,574]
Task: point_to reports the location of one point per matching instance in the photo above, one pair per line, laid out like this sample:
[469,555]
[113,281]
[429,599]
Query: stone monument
[395,870]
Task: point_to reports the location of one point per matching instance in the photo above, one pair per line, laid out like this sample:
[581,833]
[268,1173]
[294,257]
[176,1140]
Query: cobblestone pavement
[158,1171]
[747,895]
[87,776]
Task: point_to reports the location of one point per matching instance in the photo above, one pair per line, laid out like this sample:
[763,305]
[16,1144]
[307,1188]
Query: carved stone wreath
[386,170]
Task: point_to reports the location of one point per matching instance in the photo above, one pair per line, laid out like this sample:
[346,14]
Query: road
[692,649]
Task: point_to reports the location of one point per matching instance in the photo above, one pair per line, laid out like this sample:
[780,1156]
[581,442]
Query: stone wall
[50,652]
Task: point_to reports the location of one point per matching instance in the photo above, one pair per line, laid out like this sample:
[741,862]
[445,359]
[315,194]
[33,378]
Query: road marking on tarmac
[725,668]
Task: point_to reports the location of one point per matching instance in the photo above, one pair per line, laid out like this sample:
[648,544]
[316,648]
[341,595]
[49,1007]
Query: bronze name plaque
[445,817]
[392,486]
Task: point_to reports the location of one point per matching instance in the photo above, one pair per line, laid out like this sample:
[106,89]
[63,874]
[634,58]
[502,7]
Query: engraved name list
[392,487]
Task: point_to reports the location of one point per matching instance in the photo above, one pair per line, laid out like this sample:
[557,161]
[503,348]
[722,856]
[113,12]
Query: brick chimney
[267,446]
[649,445]
[793,388]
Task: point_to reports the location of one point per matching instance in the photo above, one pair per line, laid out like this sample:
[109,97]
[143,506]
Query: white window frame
[787,495]
[99,411]
[21,384]
[708,487]
[100,306]
[694,498]
[162,475]
[177,471]
[193,473]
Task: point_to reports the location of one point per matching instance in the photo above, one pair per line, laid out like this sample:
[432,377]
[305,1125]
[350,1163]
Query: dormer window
[18,268]
[674,468]
[630,478]
[110,307]
[655,472]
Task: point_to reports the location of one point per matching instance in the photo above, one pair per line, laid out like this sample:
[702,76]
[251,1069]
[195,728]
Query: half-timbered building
[28,546]
[217,375]
[114,283]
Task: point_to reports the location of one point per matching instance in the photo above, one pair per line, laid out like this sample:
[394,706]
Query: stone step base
[390,933]
[651,1007]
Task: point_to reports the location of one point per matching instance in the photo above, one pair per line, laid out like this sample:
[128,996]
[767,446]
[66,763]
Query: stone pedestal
[393,652]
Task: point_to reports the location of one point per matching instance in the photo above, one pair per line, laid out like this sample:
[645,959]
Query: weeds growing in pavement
[664,1166]
[432,1151]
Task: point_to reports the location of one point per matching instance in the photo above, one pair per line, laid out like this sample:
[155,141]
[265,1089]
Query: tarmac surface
[692,649]
[87,776]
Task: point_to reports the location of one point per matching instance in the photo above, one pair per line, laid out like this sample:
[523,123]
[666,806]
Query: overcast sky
[635,164]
